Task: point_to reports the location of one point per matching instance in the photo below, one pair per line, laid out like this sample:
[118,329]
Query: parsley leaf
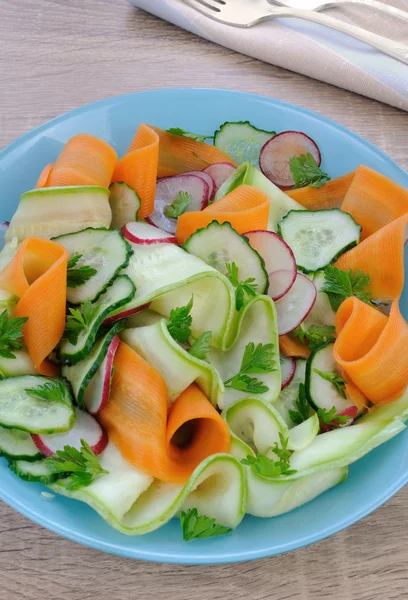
[266,466]
[11,334]
[52,390]
[79,319]
[178,206]
[303,409]
[76,276]
[337,380]
[82,466]
[179,323]
[193,136]
[306,172]
[256,359]
[244,289]
[339,285]
[195,526]
[315,335]
[330,418]
[201,346]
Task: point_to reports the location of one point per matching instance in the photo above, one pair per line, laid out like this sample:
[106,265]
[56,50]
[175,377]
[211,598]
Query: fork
[246,13]
[319,5]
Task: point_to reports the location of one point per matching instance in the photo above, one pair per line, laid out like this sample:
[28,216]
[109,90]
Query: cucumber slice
[321,313]
[34,472]
[19,410]
[321,393]
[18,445]
[8,302]
[178,368]
[120,293]
[20,365]
[288,396]
[302,435]
[48,212]
[318,237]
[8,252]
[242,141]
[219,244]
[102,249]
[125,204]
[280,203]
[80,374]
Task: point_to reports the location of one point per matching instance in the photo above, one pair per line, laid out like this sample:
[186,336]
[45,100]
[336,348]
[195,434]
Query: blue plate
[372,480]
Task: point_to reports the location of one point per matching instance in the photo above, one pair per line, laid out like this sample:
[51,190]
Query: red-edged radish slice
[124,314]
[97,392]
[220,173]
[350,411]
[207,178]
[139,232]
[280,262]
[85,428]
[274,159]
[288,368]
[294,306]
[166,191]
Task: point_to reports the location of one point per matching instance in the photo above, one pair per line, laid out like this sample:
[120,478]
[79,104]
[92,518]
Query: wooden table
[56,55]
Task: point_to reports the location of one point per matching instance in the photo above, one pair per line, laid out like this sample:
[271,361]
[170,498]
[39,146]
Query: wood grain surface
[56,55]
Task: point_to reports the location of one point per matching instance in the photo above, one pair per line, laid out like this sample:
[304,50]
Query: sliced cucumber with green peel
[318,237]
[320,392]
[242,141]
[280,203]
[8,302]
[288,396]
[125,204]
[20,410]
[20,365]
[34,472]
[178,367]
[18,445]
[106,251]
[80,374]
[48,212]
[302,435]
[8,252]
[219,245]
[119,294]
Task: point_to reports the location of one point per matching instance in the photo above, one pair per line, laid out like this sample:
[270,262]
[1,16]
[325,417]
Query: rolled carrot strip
[38,275]
[381,256]
[179,154]
[330,195]
[136,421]
[371,349]
[138,168]
[246,208]
[293,347]
[374,200]
[84,160]
[43,178]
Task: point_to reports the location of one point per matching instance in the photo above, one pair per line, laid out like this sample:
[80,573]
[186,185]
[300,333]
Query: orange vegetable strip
[372,349]
[178,154]
[136,421]
[246,208]
[374,200]
[330,195]
[381,256]
[38,275]
[138,168]
[354,393]
[84,160]
[43,178]
[293,347]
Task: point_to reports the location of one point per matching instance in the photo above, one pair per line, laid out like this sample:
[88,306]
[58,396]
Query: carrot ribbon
[330,195]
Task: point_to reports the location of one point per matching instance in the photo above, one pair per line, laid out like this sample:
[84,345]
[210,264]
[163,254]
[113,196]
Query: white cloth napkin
[310,49]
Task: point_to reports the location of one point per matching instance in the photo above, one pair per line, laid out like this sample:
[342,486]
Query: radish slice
[207,178]
[288,368]
[98,389]
[85,428]
[350,411]
[138,232]
[220,173]
[294,306]
[274,160]
[166,192]
[124,314]
[280,262]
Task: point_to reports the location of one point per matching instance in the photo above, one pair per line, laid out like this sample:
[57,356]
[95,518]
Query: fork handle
[385,8]
[394,49]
